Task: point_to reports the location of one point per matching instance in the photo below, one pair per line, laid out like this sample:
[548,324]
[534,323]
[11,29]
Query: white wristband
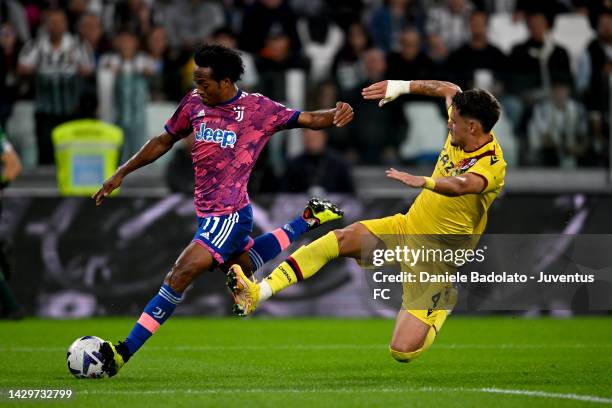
[395,89]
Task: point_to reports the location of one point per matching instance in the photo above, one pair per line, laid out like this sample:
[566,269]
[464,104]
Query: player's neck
[478,143]
[229,95]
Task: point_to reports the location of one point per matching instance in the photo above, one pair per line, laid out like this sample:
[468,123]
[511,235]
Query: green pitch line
[501,362]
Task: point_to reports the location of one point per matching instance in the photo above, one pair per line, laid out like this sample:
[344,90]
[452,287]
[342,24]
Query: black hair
[549,16]
[479,12]
[480,105]
[54,10]
[225,30]
[224,62]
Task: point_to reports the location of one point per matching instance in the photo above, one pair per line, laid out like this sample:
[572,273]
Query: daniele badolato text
[478,277]
[416,257]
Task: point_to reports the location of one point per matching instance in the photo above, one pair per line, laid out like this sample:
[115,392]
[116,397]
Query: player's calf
[267,246]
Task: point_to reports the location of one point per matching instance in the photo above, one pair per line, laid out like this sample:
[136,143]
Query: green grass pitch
[475,361]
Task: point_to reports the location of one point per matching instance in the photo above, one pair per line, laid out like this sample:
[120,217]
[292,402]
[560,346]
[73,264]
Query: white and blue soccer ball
[84,358]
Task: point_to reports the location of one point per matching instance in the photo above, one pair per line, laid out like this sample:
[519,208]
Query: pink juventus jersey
[228,140]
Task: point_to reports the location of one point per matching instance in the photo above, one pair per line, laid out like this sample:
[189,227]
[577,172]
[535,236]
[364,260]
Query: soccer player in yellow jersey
[453,203]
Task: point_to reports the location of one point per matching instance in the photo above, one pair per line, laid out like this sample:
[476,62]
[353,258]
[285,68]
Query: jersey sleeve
[492,169]
[277,116]
[179,125]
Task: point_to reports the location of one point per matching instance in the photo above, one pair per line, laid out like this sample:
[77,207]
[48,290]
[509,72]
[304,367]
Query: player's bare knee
[339,233]
[347,245]
[343,244]
[181,276]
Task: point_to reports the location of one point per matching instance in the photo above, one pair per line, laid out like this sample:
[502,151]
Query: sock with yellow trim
[302,264]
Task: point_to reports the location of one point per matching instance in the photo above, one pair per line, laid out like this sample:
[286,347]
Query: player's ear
[474,126]
[225,82]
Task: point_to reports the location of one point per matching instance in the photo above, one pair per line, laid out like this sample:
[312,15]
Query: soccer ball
[84,358]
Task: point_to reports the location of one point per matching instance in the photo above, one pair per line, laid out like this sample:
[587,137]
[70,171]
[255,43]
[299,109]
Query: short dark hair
[480,105]
[225,30]
[224,62]
[479,12]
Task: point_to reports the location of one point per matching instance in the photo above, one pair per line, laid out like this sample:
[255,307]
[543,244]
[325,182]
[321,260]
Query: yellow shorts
[434,319]
[427,301]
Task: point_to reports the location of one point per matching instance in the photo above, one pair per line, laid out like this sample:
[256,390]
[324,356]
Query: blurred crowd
[82,58]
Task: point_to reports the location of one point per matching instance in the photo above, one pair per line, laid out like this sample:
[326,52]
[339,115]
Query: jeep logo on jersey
[226,138]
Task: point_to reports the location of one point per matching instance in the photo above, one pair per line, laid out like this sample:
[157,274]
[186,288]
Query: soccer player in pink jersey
[230,127]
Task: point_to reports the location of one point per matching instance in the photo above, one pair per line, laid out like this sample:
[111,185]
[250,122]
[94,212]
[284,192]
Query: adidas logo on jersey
[225,138]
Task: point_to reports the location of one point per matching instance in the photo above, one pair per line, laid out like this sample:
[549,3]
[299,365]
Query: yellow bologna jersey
[434,213]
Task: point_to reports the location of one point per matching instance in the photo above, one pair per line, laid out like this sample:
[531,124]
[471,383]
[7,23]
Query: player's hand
[108,187]
[343,115]
[406,178]
[385,91]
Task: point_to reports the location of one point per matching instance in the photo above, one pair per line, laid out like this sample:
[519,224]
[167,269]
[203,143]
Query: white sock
[265,290]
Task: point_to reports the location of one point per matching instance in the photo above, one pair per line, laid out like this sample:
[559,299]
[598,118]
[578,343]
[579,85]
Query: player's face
[459,128]
[208,89]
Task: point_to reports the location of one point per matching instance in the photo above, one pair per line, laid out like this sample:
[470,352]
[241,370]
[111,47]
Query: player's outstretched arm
[340,116]
[469,183]
[151,151]
[388,90]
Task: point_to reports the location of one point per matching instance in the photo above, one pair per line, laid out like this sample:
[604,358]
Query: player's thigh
[368,235]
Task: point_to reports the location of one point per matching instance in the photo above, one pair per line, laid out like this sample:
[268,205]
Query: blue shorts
[226,235]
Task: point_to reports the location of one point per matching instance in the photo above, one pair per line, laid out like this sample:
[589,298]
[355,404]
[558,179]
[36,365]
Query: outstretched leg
[267,246]
[302,264]
[192,262]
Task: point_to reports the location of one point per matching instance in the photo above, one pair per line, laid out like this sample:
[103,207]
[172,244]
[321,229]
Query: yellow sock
[304,262]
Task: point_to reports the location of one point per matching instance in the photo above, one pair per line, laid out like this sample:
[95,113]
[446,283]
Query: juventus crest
[239,113]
